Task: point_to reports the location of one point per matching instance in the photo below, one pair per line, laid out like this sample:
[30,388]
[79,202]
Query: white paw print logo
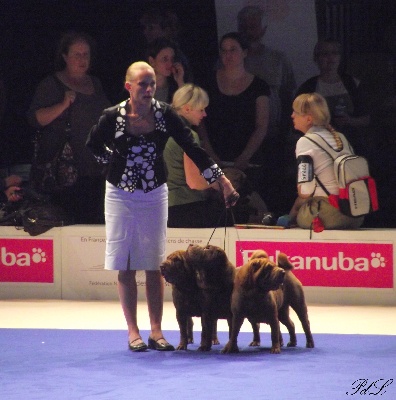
[38,255]
[377,260]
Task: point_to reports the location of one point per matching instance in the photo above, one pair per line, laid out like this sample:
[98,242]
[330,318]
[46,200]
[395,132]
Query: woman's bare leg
[127,292]
[155,302]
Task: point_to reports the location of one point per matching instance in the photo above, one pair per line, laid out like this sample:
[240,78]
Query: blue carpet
[95,364]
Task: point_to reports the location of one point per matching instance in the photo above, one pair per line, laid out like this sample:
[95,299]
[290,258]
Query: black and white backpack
[357,189]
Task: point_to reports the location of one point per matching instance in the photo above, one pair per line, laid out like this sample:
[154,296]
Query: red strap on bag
[373,193]
[333,200]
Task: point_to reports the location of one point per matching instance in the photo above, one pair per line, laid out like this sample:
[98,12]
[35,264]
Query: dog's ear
[284,262]
[182,255]
[176,253]
[259,254]
[176,258]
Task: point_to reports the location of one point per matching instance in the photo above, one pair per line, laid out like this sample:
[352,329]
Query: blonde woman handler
[191,204]
[131,137]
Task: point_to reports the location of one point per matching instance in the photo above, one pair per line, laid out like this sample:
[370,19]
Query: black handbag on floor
[34,214]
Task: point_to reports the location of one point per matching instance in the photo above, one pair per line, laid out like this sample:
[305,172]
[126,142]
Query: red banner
[362,265]
[27,260]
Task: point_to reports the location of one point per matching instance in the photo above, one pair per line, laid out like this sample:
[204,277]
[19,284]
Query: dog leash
[218,225]
[219,219]
[225,218]
[225,229]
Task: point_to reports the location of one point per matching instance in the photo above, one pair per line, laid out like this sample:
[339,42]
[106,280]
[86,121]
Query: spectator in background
[274,67]
[161,55]
[71,97]
[270,65]
[159,21]
[238,113]
[341,92]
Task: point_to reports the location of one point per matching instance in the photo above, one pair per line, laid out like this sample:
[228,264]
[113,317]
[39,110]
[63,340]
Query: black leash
[218,225]
[225,217]
[225,228]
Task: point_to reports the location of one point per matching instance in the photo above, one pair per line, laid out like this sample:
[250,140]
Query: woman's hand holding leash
[231,196]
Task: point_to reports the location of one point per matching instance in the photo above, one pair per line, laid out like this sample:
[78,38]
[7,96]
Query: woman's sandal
[156,345]
[141,346]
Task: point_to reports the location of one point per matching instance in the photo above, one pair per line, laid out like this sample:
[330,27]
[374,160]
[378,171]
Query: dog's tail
[284,262]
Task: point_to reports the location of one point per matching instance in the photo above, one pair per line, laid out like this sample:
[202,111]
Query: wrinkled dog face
[174,269]
[209,264]
[267,275]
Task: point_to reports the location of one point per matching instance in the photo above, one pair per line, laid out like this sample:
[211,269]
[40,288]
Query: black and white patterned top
[136,162]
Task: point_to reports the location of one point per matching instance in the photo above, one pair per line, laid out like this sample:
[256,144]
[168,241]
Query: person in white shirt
[311,115]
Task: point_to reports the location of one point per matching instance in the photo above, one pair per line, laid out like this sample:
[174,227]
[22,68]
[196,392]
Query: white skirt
[135,228]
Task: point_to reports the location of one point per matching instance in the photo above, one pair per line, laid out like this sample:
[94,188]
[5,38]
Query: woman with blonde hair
[192,202]
[311,116]
[192,95]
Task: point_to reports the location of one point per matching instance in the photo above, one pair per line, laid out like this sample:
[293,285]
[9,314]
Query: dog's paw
[254,344]
[204,348]
[292,344]
[275,350]
[215,341]
[182,346]
[230,348]
[310,344]
[190,341]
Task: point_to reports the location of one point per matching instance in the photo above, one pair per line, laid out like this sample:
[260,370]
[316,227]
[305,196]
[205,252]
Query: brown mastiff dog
[215,278]
[185,294]
[263,292]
